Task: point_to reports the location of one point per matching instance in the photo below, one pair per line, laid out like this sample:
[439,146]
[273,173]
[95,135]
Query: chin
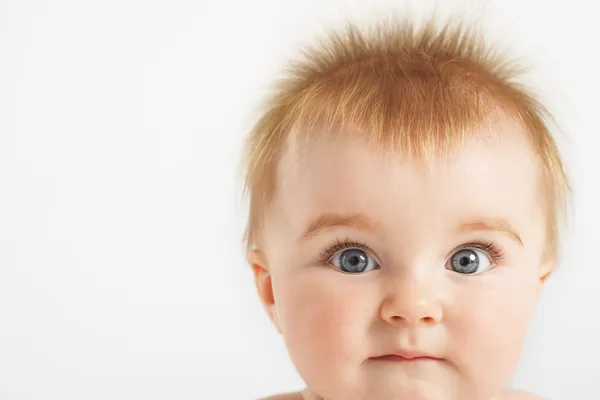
[394,391]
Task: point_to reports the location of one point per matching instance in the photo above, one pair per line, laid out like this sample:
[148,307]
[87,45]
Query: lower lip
[395,358]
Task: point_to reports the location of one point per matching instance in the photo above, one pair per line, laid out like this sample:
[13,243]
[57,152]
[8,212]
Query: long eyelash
[340,244]
[491,248]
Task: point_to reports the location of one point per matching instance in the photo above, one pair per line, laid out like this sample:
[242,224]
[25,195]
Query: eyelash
[491,248]
[339,245]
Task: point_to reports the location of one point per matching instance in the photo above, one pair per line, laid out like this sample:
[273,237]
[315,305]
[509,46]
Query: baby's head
[405,198]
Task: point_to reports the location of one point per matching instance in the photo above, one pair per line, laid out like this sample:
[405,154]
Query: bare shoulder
[285,396]
[520,395]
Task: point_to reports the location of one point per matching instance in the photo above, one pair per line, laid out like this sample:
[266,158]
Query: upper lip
[409,354]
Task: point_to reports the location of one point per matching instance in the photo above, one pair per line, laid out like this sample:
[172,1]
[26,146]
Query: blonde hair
[407,89]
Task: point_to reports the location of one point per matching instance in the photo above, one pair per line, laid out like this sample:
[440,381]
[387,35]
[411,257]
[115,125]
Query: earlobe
[264,285]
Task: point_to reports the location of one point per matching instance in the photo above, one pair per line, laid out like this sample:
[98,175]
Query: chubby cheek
[487,326]
[324,317]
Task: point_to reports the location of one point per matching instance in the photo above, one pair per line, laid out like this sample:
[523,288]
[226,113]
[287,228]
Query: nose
[412,301]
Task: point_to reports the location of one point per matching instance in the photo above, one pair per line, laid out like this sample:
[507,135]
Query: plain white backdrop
[122,274]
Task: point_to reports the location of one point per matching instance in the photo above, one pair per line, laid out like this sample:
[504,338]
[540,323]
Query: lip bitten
[405,198]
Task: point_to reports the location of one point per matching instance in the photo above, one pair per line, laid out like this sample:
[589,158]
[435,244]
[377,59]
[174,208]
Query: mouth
[406,356]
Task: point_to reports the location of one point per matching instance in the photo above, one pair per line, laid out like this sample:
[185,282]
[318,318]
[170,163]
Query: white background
[122,274]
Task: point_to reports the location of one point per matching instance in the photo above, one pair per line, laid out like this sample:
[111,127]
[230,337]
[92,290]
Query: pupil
[465,262]
[354,261]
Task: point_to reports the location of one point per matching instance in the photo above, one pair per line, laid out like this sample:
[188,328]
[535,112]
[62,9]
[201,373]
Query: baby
[405,203]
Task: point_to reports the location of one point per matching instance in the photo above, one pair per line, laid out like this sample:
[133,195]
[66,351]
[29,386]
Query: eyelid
[343,244]
[491,248]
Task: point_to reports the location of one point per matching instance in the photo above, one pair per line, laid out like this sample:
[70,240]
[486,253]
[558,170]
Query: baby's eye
[469,261]
[353,261]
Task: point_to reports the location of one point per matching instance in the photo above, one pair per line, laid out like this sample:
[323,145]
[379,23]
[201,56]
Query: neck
[308,394]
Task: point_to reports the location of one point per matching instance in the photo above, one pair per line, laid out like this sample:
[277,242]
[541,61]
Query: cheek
[488,324]
[324,318]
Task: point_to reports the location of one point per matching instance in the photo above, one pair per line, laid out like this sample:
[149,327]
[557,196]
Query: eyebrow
[359,221]
[333,220]
[492,225]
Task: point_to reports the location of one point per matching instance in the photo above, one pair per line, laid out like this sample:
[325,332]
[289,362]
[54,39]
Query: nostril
[422,320]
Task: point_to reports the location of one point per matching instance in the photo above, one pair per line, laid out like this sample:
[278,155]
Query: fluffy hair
[407,89]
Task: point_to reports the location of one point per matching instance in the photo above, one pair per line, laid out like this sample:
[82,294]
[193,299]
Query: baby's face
[371,257]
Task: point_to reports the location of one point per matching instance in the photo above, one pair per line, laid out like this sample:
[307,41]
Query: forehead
[493,173]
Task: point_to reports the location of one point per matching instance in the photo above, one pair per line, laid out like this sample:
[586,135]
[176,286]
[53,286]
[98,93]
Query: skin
[333,322]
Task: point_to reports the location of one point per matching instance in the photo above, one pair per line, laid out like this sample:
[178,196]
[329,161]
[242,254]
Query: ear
[264,285]
[546,268]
